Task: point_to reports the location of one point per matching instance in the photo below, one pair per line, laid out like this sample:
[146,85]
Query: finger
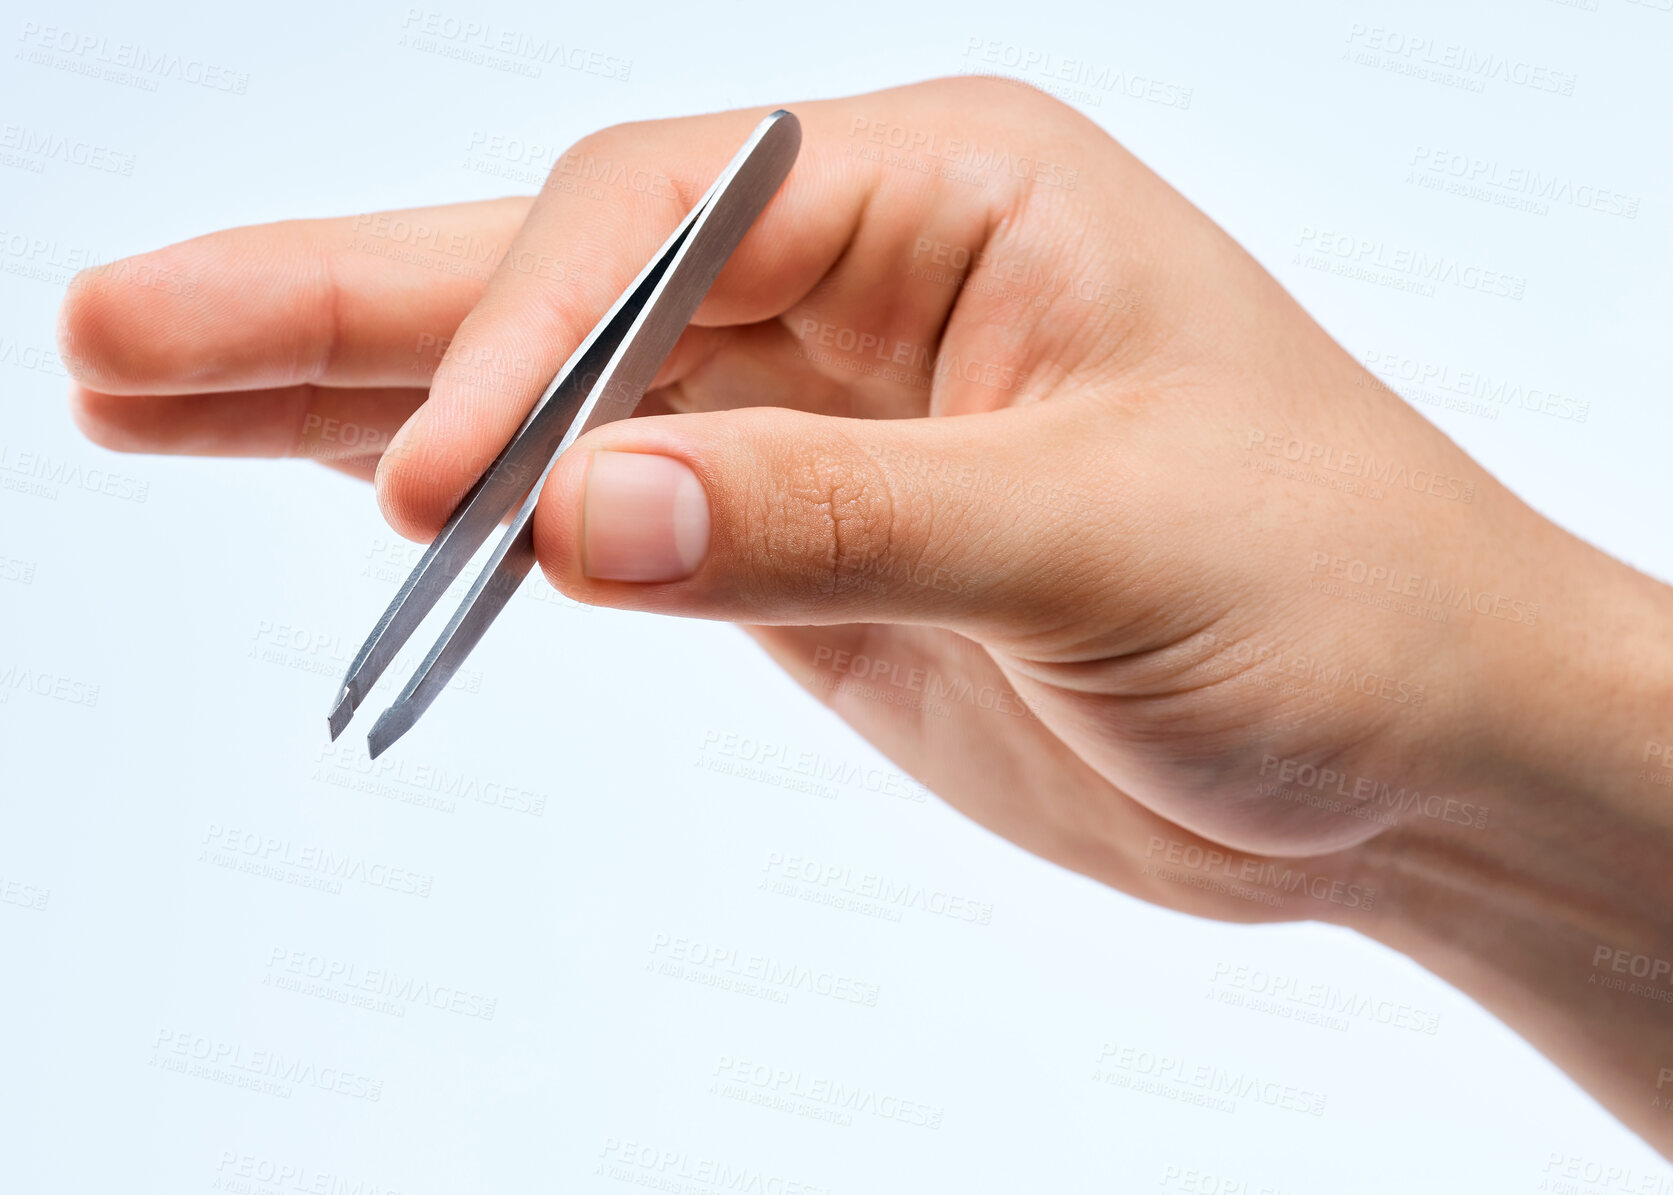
[322,423]
[828,249]
[361,468]
[773,516]
[365,300]
[769,365]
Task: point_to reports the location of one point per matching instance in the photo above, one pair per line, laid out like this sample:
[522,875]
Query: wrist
[1570,750]
[1555,914]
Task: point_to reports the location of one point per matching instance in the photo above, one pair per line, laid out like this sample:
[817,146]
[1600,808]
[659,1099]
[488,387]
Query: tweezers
[603,380]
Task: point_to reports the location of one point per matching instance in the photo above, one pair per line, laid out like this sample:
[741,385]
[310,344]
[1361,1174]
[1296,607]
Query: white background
[214,619]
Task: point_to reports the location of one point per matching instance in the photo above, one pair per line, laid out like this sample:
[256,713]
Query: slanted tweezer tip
[339,717]
[395,722]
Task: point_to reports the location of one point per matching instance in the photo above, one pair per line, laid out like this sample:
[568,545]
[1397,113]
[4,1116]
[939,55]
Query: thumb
[768,515]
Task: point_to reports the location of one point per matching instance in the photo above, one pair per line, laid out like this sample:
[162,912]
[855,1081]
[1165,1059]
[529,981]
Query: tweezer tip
[339,717]
[395,722]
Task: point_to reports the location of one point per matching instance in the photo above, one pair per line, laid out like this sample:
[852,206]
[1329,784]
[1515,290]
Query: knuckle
[603,141]
[1007,97]
[589,159]
[636,163]
[826,523]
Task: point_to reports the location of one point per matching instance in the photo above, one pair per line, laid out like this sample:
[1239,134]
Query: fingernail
[644,518]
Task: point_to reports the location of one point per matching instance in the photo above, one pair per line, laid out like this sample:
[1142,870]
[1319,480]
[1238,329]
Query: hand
[1024,466]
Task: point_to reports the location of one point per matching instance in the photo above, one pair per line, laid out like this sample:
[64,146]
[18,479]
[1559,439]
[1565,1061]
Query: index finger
[830,242]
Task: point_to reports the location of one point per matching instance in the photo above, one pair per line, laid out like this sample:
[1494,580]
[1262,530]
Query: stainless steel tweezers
[603,380]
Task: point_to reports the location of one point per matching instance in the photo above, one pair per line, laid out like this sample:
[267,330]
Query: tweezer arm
[519,465]
[637,335]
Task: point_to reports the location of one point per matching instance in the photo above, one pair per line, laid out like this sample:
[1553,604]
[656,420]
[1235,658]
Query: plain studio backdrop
[527,980]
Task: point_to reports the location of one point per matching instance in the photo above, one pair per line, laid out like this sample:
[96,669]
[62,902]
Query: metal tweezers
[602,381]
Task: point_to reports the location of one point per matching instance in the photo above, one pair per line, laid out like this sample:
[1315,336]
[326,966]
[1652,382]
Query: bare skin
[983,409]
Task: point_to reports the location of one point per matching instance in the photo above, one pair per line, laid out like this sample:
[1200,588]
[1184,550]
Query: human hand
[1146,573]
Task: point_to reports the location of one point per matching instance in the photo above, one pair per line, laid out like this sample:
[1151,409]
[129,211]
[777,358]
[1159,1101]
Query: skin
[1055,493]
